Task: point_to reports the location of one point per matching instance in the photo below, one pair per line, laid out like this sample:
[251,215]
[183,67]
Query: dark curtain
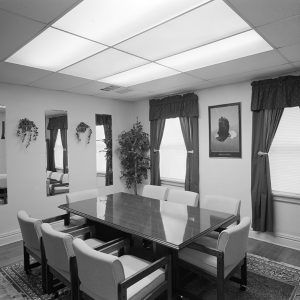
[156,133]
[63,133]
[189,127]
[186,108]
[265,124]
[53,136]
[58,123]
[106,121]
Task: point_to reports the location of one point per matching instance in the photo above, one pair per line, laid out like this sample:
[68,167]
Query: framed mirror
[3,171]
[56,125]
[104,165]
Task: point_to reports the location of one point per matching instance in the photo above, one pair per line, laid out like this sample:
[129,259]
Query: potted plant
[27,130]
[134,155]
[82,128]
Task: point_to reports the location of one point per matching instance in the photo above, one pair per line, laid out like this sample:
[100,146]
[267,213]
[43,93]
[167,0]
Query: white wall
[26,166]
[232,176]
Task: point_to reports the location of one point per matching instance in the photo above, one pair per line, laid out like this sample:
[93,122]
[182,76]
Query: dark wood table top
[170,224]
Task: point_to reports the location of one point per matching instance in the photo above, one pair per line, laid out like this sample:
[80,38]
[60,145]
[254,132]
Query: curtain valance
[174,106]
[103,119]
[58,123]
[276,93]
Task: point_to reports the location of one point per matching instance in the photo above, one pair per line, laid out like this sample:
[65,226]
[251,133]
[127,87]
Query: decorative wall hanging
[225,130]
[82,128]
[3,131]
[27,130]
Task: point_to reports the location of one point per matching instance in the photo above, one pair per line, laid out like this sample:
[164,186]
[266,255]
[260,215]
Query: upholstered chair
[108,277]
[155,191]
[78,196]
[221,259]
[31,234]
[183,197]
[61,187]
[59,254]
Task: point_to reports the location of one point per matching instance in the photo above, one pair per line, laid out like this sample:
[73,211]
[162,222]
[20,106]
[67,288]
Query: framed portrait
[225,130]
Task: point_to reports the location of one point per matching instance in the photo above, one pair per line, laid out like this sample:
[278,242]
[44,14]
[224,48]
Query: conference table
[170,226]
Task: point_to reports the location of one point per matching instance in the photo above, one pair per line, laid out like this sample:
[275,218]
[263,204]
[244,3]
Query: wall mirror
[57,180]
[3,172]
[104,150]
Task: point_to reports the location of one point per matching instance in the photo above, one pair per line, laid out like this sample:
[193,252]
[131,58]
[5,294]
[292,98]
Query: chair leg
[220,276]
[26,260]
[244,275]
[49,281]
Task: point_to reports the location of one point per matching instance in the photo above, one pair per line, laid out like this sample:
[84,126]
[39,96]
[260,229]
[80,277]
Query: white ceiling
[277,21]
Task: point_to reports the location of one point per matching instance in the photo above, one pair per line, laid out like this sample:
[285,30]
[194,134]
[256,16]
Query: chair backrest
[99,273]
[233,242]
[221,203]
[65,178]
[183,197]
[155,191]
[30,229]
[81,195]
[58,248]
[56,176]
[49,173]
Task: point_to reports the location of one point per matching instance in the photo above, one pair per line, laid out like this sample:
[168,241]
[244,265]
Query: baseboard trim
[10,237]
[277,238]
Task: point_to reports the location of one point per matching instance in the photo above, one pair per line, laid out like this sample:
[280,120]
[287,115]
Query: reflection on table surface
[171,224]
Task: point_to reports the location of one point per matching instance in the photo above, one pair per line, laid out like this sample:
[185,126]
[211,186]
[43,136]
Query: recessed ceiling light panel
[240,45]
[53,50]
[208,23]
[138,75]
[112,21]
[103,64]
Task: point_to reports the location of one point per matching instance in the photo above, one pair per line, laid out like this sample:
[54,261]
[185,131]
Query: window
[58,152]
[100,149]
[172,152]
[285,153]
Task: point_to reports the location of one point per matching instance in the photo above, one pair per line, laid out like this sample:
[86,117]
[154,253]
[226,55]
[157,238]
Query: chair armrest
[124,243]
[79,230]
[144,272]
[55,219]
[108,244]
[205,249]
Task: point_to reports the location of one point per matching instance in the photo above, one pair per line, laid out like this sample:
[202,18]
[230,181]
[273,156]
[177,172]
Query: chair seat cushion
[139,290]
[202,260]
[77,220]
[94,243]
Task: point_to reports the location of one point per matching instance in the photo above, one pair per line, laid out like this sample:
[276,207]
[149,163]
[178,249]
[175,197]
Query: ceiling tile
[54,49]
[104,64]
[40,10]
[282,33]
[174,81]
[249,63]
[59,82]
[292,53]
[17,74]
[182,33]
[113,21]
[90,88]
[15,31]
[260,12]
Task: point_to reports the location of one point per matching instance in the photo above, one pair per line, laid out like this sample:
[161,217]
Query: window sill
[101,174]
[286,197]
[172,182]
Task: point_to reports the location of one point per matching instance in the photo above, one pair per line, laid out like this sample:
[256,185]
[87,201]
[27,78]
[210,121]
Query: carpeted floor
[267,279]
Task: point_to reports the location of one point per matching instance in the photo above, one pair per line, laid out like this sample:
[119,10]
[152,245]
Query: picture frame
[225,130]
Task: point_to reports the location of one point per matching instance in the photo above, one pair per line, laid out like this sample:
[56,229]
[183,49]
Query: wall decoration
[225,130]
[3,131]
[82,128]
[27,130]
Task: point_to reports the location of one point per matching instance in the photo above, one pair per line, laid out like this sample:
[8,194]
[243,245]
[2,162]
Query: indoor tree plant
[134,155]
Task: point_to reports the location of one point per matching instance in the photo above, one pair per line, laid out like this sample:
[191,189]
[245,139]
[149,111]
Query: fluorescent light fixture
[138,75]
[112,21]
[211,22]
[103,64]
[240,45]
[53,50]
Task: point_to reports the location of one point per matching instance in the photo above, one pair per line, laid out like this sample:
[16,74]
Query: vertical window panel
[100,149]
[58,152]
